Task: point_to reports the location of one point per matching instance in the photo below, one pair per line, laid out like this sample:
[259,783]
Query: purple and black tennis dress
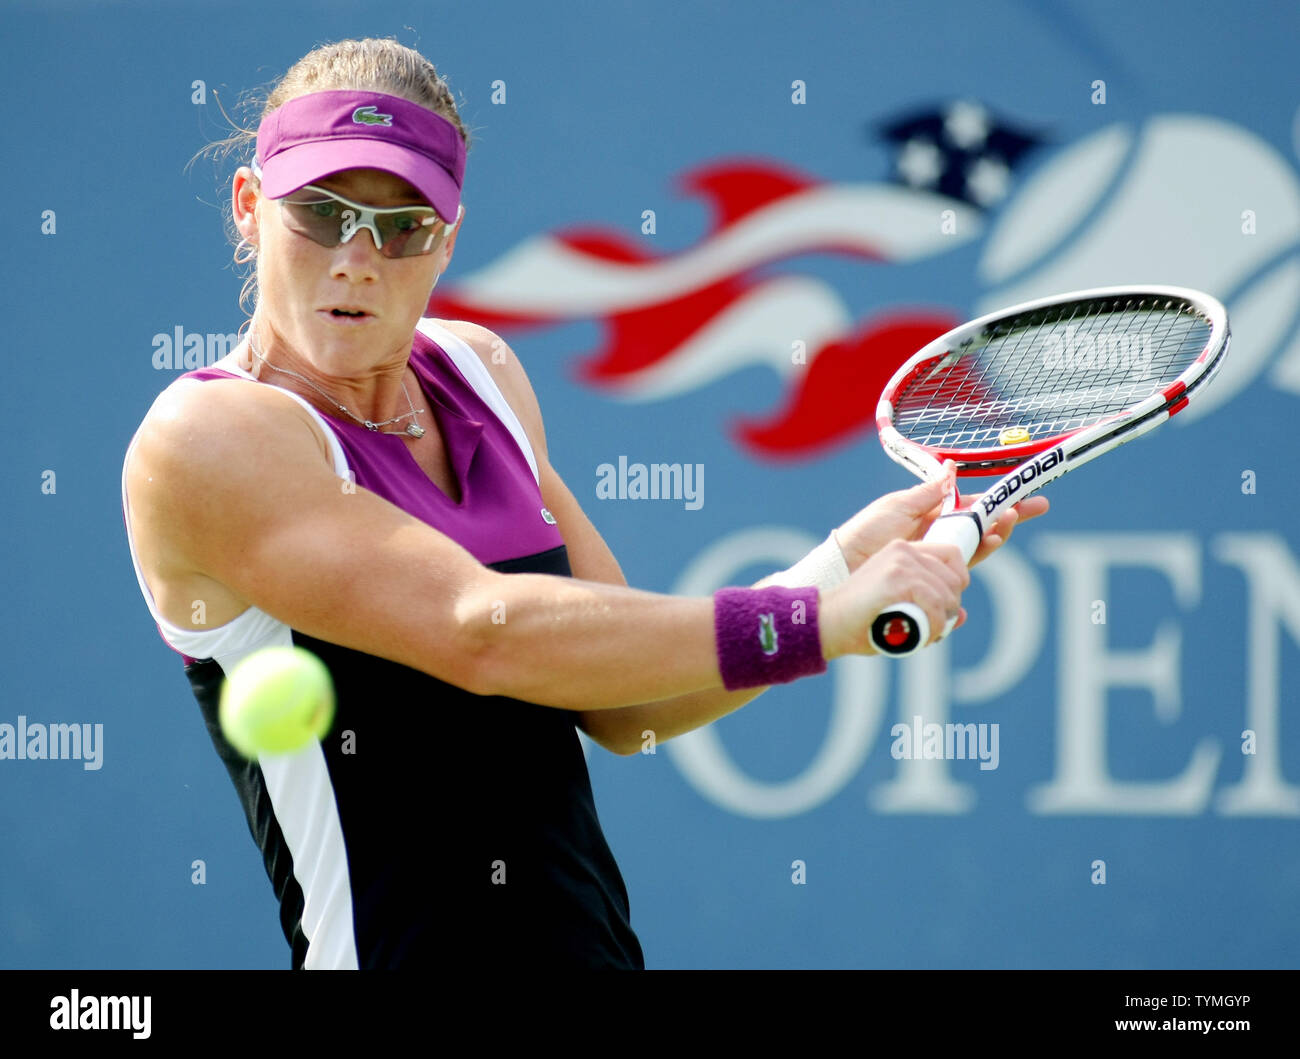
[431,826]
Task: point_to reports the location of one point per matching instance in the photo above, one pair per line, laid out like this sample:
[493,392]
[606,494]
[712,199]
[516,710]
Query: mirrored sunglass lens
[410,234]
[320,220]
[404,233]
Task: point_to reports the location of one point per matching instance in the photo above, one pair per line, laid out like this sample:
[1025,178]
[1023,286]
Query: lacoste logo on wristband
[749,661]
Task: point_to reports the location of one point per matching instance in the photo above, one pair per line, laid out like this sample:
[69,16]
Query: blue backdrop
[786,190]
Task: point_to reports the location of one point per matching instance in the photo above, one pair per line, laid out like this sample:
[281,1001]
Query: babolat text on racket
[1032,392]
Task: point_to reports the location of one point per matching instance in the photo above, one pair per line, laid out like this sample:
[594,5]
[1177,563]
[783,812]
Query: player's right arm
[235,478]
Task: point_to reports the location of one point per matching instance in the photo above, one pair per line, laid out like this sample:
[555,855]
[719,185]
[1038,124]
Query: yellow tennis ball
[276,701]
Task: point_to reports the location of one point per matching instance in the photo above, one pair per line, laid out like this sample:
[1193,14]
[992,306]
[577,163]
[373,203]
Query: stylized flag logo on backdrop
[1108,209]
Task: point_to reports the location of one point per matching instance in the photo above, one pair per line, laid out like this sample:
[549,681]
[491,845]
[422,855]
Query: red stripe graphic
[836,398]
[651,315]
[637,340]
[735,189]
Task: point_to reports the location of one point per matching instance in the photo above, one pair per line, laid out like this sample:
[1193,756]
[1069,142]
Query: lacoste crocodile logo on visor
[368,116]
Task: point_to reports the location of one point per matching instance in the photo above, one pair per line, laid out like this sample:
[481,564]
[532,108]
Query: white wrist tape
[824,567]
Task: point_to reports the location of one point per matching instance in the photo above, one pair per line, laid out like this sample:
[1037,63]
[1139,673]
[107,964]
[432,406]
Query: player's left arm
[903,514]
[621,731]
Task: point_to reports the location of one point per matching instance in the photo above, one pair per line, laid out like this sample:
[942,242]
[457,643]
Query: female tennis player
[374,486]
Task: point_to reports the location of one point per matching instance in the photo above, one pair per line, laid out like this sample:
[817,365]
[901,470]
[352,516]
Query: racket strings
[1050,372]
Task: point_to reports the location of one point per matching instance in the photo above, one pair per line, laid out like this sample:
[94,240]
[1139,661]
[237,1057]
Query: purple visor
[310,137]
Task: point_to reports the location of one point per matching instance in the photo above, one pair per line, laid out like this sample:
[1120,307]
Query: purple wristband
[765,636]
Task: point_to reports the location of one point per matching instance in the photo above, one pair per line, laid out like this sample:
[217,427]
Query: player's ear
[245,194]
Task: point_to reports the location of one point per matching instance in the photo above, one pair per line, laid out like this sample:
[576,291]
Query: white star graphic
[987,180]
[966,125]
[920,163]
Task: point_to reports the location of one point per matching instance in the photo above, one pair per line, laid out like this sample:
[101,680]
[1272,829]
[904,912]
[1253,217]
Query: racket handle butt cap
[903,629]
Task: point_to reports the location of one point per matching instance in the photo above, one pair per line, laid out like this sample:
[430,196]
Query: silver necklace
[412,430]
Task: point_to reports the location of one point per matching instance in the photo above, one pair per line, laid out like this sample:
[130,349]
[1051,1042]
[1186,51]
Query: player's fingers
[928,497]
[961,617]
[1032,508]
[950,562]
[999,532]
[991,542]
[923,502]
[936,589]
[933,598]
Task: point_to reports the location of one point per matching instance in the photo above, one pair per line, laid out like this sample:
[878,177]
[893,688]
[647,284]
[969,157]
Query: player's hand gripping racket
[1036,390]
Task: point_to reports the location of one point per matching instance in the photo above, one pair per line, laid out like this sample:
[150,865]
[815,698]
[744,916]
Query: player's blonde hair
[373,64]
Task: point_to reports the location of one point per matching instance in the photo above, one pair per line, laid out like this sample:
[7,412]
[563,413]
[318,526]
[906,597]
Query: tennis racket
[1034,391]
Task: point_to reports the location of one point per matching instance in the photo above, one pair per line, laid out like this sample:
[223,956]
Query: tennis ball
[276,701]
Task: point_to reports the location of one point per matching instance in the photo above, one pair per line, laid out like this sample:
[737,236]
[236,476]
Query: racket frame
[1048,458]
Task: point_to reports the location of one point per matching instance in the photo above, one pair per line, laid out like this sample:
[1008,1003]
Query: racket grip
[903,629]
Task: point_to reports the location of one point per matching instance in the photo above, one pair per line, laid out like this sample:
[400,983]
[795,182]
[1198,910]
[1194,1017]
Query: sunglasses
[331,220]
